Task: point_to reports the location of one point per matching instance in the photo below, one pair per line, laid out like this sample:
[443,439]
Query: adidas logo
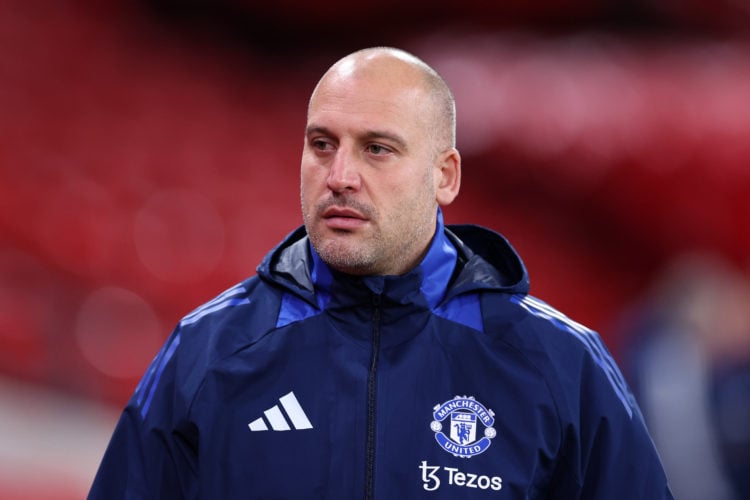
[276,418]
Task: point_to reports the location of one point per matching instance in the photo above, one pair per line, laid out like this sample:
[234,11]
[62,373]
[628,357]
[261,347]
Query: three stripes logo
[275,417]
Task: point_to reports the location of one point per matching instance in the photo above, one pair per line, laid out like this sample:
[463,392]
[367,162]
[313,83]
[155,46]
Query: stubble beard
[371,254]
[345,252]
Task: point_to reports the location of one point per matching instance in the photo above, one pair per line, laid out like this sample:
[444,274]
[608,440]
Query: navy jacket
[448,382]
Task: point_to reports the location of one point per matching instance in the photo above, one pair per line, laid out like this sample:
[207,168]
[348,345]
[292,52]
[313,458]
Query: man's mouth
[343,218]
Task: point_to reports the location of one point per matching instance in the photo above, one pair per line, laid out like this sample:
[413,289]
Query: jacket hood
[485,261]
[489,260]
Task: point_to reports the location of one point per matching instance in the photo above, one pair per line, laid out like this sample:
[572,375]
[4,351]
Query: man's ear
[448,176]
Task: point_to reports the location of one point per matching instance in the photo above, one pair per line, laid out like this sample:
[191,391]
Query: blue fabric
[447,382]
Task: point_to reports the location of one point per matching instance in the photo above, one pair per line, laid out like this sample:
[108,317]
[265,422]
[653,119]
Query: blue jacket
[448,382]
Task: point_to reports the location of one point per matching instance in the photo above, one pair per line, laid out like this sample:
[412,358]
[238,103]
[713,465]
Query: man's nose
[343,174]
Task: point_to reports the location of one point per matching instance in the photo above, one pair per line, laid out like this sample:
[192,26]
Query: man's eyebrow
[316,129]
[389,136]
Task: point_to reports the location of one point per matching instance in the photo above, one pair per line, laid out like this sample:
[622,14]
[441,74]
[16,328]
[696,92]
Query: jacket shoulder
[234,319]
[599,417]
[567,353]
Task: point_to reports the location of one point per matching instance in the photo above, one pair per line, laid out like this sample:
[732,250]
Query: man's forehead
[369,94]
[364,114]
[373,102]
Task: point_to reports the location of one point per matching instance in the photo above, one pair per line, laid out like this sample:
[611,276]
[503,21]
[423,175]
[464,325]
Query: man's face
[367,175]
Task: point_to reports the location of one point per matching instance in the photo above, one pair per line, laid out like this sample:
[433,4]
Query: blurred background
[149,154]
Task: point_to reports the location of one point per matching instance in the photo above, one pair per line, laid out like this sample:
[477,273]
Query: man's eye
[377,149]
[320,144]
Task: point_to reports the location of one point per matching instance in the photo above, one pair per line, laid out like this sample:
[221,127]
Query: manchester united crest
[463,426]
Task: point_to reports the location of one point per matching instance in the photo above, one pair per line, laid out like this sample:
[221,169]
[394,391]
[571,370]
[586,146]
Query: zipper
[371,402]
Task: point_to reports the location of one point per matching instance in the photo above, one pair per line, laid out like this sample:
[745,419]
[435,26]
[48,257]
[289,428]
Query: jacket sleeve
[607,450]
[152,452]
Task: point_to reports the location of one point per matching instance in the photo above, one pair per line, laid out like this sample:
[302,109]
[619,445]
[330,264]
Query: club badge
[466,418]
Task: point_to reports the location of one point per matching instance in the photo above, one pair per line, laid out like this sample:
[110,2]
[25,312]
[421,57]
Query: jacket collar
[432,275]
[461,259]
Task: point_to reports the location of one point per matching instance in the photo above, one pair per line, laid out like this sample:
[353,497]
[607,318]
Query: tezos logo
[465,414]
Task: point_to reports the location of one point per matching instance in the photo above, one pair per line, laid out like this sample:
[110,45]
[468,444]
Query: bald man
[378,353]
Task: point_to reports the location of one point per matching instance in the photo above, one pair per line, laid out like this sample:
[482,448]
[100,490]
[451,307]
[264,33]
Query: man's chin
[346,259]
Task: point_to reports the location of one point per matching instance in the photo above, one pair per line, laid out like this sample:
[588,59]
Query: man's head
[379,157]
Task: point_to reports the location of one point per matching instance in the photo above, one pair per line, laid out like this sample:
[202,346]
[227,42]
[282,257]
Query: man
[377,353]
